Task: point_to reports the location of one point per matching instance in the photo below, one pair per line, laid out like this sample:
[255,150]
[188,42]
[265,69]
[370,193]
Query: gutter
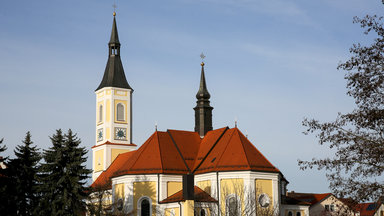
[218,193]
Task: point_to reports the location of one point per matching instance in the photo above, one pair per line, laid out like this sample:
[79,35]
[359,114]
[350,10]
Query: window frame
[238,203]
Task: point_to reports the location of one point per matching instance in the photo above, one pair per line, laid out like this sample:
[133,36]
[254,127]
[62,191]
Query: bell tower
[203,109]
[113,110]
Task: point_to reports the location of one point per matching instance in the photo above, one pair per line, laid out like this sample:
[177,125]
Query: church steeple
[203,110]
[114,75]
[113,110]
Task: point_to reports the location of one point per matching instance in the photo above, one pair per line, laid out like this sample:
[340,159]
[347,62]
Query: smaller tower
[203,110]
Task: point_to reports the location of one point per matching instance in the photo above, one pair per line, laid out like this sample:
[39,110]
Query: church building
[175,172]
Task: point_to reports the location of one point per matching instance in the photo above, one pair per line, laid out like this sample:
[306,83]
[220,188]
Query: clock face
[100,134]
[120,133]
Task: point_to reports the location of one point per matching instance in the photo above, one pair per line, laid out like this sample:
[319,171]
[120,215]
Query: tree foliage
[7,206]
[63,176]
[22,171]
[356,169]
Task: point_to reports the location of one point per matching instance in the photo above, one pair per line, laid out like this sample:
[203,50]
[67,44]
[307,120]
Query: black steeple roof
[114,35]
[203,109]
[114,75]
[203,91]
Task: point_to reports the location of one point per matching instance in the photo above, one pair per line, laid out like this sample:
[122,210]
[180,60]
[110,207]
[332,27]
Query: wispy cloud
[282,9]
[309,57]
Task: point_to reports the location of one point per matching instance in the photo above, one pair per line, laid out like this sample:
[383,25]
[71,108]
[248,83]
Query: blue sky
[269,63]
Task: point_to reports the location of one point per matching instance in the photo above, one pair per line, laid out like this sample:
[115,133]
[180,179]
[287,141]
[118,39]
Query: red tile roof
[104,178]
[200,196]
[182,152]
[309,197]
[366,209]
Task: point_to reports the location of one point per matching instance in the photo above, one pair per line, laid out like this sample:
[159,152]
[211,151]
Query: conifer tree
[51,171]
[7,206]
[75,175]
[63,176]
[24,169]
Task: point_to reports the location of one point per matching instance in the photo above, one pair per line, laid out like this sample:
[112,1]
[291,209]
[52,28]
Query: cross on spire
[114,8]
[202,56]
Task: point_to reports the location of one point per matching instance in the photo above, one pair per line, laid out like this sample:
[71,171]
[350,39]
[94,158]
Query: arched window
[100,113]
[202,212]
[298,213]
[144,206]
[232,205]
[290,213]
[120,112]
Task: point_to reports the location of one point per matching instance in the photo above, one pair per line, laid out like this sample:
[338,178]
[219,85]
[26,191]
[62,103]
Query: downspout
[158,188]
[180,209]
[218,193]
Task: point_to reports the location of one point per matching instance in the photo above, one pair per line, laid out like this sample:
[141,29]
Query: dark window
[298,213]
[202,212]
[332,208]
[145,207]
[290,213]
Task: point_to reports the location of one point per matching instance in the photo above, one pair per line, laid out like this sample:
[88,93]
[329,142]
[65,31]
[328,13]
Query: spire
[203,110]
[114,35]
[114,75]
[203,91]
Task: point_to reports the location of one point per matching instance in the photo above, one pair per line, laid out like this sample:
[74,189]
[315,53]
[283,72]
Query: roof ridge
[224,150]
[178,150]
[242,144]
[149,140]
[213,146]
[262,155]
[158,142]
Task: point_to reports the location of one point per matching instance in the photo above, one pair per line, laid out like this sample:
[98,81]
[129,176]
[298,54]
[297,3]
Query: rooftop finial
[236,122]
[155,125]
[202,56]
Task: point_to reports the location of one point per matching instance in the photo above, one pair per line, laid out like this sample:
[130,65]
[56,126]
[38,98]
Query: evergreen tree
[75,175]
[51,171]
[7,199]
[24,169]
[63,176]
